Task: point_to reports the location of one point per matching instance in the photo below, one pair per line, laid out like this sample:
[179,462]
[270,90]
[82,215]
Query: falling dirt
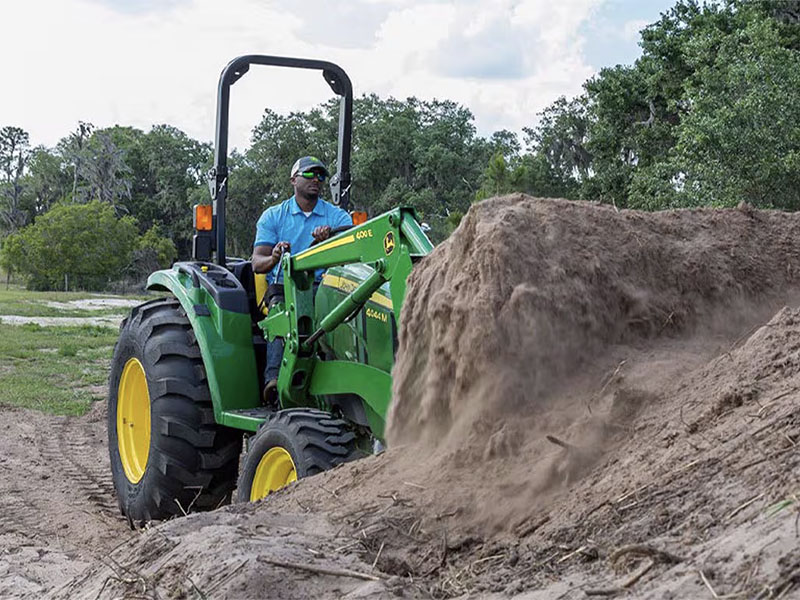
[527,292]
[588,403]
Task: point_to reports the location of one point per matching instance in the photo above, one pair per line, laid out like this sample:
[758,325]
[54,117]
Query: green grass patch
[58,370]
[68,350]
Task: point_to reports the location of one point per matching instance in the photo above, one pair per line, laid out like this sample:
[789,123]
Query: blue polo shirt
[286,222]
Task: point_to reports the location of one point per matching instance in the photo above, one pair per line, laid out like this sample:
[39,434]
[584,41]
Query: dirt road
[57,509]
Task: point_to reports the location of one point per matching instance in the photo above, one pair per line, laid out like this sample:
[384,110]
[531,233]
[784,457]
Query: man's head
[308,174]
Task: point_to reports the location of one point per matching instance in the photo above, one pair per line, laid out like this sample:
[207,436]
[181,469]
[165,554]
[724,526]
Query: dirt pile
[526,291]
[546,340]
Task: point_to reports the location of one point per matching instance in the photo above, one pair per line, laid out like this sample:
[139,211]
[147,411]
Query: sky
[147,62]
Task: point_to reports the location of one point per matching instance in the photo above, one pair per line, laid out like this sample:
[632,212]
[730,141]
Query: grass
[58,370]
[773,510]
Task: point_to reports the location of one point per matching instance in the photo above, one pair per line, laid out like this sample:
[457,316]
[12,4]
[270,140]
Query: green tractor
[187,378]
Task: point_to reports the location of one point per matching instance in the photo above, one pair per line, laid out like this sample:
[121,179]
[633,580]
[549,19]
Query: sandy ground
[62,536]
[100,303]
[94,304]
[57,509]
[100,321]
[661,463]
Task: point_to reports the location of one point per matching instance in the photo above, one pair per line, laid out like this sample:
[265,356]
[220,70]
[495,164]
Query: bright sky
[145,62]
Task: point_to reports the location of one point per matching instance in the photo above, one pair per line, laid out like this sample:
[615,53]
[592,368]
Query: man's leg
[274,353]
[275,350]
[274,356]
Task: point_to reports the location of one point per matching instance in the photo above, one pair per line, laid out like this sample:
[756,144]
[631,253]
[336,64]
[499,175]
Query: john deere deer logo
[388,243]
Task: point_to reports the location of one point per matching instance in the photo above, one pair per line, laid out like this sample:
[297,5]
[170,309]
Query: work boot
[270,396]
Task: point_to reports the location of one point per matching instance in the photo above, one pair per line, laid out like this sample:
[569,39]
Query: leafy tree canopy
[74,246]
[84,246]
[706,116]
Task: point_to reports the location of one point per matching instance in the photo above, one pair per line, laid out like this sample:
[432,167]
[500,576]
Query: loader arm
[389,244]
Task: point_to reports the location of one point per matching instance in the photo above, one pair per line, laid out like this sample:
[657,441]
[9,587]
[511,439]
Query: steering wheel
[334,231]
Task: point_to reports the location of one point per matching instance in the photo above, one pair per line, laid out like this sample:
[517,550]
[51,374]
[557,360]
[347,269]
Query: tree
[152,252]
[498,178]
[384,137]
[47,182]
[449,156]
[706,115]
[506,143]
[246,201]
[532,174]
[73,246]
[99,167]
[176,166]
[72,148]
[740,139]
[105,172]
[164,167]
[561,138]
[14,157]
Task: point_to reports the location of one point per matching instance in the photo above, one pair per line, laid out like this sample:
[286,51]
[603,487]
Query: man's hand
[265,258]
[323,232]
[278,251]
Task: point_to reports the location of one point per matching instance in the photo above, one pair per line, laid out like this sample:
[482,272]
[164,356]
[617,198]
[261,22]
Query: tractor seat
[255,284]
[260,281]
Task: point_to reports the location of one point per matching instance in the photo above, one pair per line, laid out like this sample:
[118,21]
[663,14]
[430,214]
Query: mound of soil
[527,291]
[588,403]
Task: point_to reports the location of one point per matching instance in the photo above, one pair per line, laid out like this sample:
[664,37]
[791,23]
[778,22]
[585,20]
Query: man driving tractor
[294,225]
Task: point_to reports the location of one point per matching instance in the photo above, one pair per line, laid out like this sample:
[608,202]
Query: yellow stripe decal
[348,285]
[322,247]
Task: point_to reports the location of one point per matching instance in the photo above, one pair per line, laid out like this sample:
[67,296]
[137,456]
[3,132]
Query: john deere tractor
[186,378]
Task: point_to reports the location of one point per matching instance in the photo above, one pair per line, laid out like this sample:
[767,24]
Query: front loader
[187,372]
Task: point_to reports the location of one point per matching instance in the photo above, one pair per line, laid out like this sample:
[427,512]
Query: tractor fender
[217,307]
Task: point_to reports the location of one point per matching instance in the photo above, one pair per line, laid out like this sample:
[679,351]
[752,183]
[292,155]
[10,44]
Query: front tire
[168,455]
[293,444]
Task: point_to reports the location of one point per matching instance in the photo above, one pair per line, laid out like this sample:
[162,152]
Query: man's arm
[266,257]
[268,250]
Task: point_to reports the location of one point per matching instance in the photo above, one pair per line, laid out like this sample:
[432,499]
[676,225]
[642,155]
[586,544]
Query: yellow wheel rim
[133,420]
[274,471]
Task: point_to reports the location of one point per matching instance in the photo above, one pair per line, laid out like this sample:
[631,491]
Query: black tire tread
[193,461]
[319,442]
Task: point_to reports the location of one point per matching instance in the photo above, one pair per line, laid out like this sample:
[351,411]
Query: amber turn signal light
[359,217]
[203,217]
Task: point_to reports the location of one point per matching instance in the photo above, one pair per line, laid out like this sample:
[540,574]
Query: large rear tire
[168,455]
[293,444]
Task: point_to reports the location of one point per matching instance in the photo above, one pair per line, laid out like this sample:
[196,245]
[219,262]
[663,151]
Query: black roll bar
[339,82]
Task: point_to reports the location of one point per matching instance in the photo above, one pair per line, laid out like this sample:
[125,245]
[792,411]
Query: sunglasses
[312,174]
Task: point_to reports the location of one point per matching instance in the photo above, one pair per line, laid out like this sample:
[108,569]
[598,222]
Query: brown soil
[57,508]
[588,403]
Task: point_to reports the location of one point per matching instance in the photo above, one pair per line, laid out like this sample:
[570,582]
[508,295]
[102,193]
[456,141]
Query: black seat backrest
[243,271]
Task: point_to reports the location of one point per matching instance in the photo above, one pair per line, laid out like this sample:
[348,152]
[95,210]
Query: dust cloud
[512,377]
